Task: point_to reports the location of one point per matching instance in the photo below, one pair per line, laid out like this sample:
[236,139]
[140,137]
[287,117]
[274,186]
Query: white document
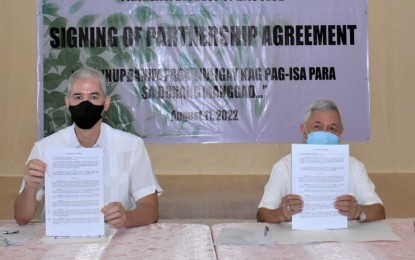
[357,232]
[320,173]
[244,236]
[282,233]
[74,186]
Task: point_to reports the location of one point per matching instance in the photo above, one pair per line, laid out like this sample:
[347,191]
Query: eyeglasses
[334,129]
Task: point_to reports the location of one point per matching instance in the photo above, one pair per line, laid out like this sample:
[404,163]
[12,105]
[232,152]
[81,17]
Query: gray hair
[85,73]
[322,105]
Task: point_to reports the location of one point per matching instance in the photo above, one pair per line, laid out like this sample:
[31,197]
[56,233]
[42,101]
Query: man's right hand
[35,173]
[291,204]
[25,205]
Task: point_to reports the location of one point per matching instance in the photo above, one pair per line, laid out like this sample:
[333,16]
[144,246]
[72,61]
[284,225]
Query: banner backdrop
[195,71]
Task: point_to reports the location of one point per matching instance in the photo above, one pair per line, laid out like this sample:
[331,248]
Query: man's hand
[25,205]
[291,205]
[34,174]
[114,214]
[347,206]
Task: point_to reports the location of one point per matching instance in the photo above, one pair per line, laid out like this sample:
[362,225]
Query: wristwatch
[362,216]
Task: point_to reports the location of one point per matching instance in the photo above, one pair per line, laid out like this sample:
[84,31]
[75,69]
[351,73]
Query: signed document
[320,173]
[74,186]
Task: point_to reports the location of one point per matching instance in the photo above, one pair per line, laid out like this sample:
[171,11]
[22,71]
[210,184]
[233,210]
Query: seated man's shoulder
[122,135]
[356,163]
[283,161]
[57,137]
[354,160]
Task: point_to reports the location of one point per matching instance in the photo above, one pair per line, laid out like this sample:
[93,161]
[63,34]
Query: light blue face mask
[321,137]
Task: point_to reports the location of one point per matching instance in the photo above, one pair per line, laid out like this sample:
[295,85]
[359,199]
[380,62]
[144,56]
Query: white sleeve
[361,186]
[142,180]
[279,184]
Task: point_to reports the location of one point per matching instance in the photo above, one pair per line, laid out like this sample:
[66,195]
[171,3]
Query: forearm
[270,215]
[25,206]
[146,214]
[373,212]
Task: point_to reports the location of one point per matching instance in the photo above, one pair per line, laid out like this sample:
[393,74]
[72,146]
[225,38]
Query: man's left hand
[114,214]
[347,206]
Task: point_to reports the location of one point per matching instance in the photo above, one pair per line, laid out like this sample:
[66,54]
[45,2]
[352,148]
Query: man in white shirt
[131,189]
[322,125]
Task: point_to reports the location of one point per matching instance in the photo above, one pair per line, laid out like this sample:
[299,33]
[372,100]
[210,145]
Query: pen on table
[8,232]
[266,228]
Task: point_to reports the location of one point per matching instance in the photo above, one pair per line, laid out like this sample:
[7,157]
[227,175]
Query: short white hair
[322,105]
[85,73]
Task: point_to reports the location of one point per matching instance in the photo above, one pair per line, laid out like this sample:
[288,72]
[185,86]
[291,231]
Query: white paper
[74,187]
[320,173]
[357,232]
[283,233]
[244,236]
[109,234]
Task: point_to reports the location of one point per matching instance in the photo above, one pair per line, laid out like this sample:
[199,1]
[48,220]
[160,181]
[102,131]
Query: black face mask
[85,114]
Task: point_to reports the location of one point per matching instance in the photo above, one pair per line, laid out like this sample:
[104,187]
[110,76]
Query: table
[155,241]
[404,249]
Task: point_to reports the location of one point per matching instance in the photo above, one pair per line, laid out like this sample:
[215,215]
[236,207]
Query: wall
[392,59]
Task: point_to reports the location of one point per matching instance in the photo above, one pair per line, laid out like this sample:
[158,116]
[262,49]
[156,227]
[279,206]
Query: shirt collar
[100,142]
